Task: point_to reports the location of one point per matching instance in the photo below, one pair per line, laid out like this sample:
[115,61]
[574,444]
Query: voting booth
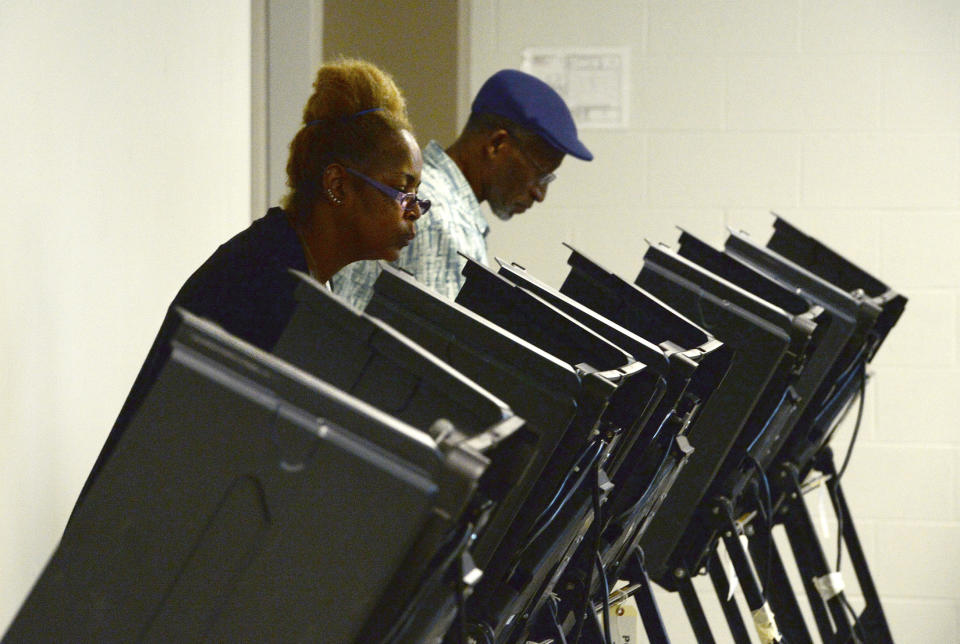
[504,467]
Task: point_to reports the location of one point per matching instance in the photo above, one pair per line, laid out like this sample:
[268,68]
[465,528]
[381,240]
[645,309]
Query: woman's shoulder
[267,240]
[267,246]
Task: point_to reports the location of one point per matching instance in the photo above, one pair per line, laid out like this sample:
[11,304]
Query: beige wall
[125,161]
[414,40]
[845,118]
[287,49]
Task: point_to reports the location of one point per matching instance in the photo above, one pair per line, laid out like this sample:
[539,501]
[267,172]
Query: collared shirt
[454,224]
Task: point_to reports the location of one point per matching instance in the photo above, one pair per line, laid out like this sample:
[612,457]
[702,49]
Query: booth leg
[722,585]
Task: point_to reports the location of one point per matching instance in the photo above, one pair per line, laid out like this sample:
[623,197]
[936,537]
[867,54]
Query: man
[518,133]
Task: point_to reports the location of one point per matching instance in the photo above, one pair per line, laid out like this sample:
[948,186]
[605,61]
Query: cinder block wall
[845,118]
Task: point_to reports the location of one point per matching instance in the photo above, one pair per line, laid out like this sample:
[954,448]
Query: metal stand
[831,614]
[691,604]
[779,591]
[752,590]
[871,622]
[730,610]
[636,575]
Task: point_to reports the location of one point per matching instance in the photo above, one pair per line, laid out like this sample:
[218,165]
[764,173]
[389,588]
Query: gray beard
[502,213]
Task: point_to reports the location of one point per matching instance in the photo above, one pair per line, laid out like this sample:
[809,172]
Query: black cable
[767,512]
[836,501]
[844,379]
[461,611]
[591,453]
[532,539]
[767,496]
[770,418]
[656,433]
[856,428]
[588,450]
[857,626]
[573,490]
[606,600]
[858,634]
[846,462]
[439,565]
[651,487]
[598,544]
[552,602]
[587,604]
[489,637]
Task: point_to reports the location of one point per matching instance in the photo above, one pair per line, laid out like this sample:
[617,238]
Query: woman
[353,170]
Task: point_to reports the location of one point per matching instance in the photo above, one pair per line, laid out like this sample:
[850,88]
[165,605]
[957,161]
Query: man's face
[521,176]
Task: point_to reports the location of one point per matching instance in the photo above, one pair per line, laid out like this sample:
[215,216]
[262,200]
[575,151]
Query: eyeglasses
[407,200]
[543,177]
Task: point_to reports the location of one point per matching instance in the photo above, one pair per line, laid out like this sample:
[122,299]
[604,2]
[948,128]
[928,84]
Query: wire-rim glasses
[544,178]
[407,200]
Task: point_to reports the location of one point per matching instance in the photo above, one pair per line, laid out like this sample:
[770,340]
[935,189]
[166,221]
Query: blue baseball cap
[528,101]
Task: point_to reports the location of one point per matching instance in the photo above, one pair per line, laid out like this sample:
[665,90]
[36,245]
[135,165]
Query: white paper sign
[594,81]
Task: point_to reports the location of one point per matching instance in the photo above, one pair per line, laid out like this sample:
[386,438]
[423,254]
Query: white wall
[125,160]
[845,118]
[290,33]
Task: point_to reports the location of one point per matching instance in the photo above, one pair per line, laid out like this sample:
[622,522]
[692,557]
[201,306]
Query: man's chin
[503,214]
[389,255]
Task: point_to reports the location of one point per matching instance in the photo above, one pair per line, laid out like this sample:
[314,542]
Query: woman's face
[383,228]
